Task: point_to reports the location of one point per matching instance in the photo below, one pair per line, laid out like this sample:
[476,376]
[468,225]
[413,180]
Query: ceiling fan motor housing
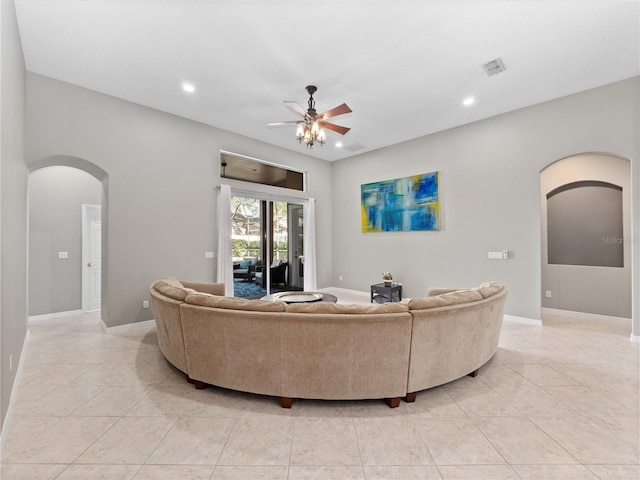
[311,111]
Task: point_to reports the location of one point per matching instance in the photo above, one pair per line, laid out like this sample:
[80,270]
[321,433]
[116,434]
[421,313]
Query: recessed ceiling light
[468,101]
[338,144]
[188,87]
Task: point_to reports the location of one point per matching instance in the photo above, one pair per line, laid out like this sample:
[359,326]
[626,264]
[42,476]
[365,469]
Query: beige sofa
[324,350]
[454,333]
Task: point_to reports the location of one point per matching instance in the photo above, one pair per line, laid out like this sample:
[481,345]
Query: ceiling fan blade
[335,128]
[286,122]
[334,112]
[295,108]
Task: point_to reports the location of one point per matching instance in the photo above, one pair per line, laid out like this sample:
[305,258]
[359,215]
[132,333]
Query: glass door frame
[266,229]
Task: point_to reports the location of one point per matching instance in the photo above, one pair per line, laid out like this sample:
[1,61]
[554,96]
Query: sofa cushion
[234,303]
[489,289]
[337,308]
[172,288]
[446,299]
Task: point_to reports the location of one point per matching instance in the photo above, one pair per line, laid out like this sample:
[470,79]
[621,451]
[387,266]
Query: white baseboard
[524,320]
[634,338]
[14,391]
[594,316]
[49,316]
[127,327]
[345,290]
[34,319]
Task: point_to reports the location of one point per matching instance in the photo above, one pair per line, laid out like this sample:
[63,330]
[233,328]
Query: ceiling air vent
[354,147]
[494,67]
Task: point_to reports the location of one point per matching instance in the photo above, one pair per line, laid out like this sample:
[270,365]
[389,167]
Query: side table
[383,293]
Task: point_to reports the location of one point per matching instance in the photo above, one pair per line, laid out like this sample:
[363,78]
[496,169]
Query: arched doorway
[59,186]
[586,211]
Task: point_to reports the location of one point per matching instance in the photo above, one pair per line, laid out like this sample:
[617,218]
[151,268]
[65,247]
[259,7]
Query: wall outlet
[63,255]
[145,304]
[505,254]
[495,255]
[209,255]
[547,294]
[340,277]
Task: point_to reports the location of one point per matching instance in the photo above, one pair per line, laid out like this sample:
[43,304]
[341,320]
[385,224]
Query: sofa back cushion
[457,297]
[337,308]
[489,289]
[172,288]
[233,303]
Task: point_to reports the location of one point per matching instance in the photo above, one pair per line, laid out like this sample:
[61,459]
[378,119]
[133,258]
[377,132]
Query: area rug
[246,289]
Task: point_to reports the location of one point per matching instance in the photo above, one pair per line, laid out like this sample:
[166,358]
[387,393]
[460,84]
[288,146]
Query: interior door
[91,257]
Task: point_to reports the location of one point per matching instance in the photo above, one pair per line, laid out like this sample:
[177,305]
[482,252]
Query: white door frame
[88,304]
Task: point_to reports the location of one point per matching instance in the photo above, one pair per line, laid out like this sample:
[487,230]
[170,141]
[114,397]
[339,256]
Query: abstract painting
[402,204]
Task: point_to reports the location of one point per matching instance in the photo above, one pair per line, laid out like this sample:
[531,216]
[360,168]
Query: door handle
[89,264]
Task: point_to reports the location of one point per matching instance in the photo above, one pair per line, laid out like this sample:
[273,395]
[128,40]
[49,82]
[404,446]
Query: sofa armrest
[211,288]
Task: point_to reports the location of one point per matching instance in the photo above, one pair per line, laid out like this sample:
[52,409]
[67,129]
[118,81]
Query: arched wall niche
[102,176]
[591,289]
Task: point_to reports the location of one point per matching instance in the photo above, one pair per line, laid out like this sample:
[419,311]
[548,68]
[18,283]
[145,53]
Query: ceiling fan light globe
[300,131]
[315,129]
[322,136]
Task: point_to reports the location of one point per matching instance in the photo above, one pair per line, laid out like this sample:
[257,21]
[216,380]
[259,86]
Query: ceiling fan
[311,126]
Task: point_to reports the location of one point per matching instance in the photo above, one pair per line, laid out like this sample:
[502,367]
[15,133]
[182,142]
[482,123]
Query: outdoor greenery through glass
[247,226]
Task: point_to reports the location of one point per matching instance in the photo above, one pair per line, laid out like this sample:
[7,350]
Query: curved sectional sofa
[326,350]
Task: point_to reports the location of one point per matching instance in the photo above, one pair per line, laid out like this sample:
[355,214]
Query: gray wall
[598,290]
[489,193]
[56,195]
[160,191]
[13,204]
[579,218]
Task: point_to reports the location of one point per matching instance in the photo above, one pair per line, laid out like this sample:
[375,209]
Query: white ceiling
[403,66]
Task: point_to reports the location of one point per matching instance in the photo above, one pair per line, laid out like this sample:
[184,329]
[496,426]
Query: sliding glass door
[295,220]
[267,242]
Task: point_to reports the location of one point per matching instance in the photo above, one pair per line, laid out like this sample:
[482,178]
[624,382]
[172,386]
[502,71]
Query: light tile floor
[559,401]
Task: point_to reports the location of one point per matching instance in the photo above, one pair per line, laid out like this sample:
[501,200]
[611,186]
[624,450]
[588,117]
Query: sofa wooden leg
[393,402]
[286,402]
[189,379]
[198,384]
[411,397]
[474,373]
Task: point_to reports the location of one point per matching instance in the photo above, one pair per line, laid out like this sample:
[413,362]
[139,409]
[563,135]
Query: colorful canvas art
[402,204]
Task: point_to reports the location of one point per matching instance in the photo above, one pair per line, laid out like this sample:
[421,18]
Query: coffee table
[301,297]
